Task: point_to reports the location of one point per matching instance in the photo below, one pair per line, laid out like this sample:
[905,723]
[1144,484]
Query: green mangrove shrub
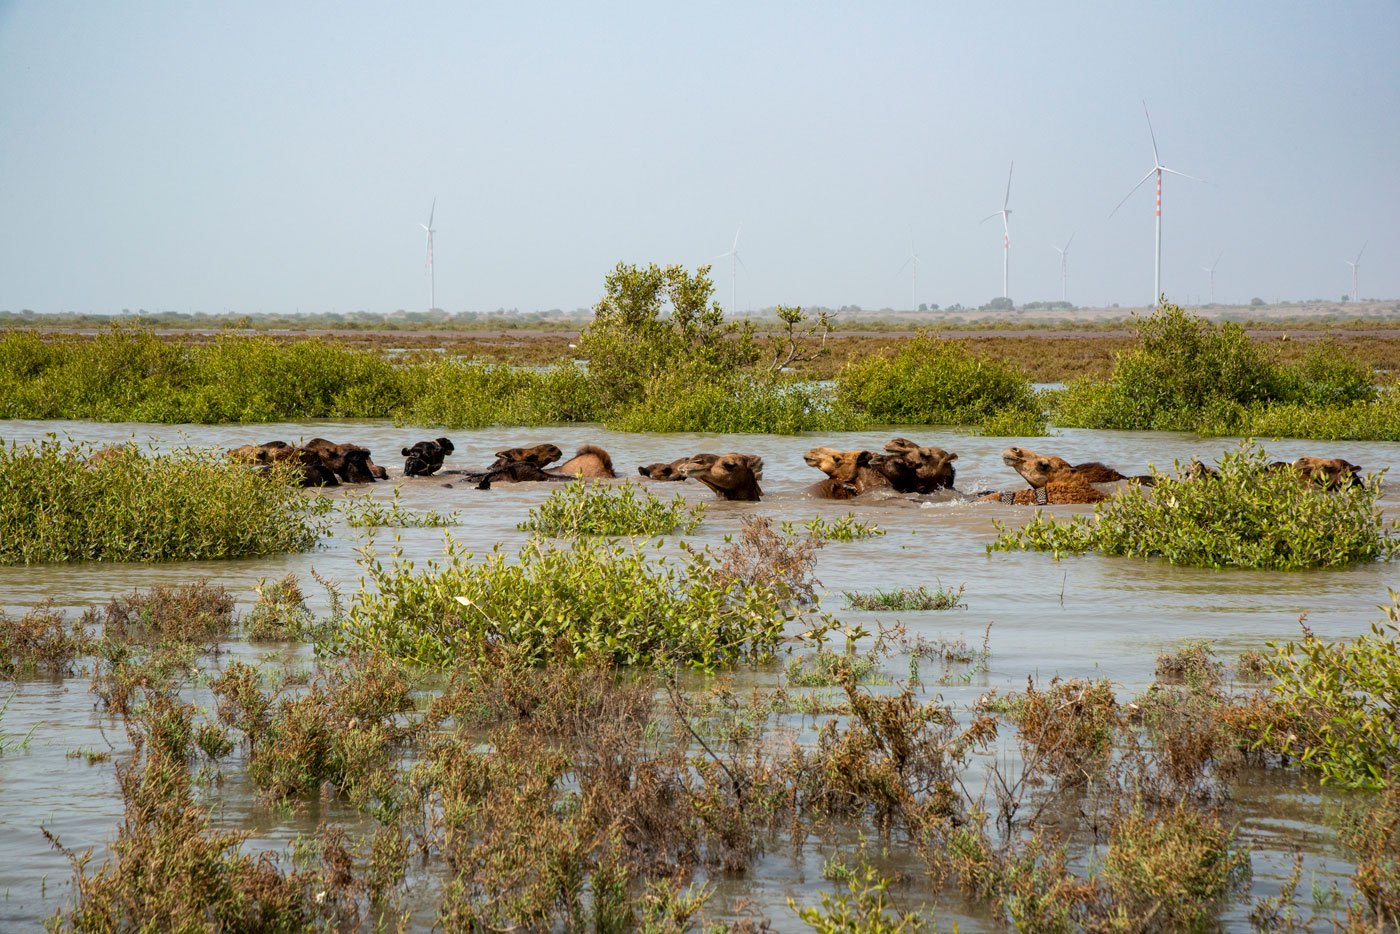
[591,597]
[1187,374]
[702,398]
[592,509]
[1247,517]
[652,322]
[132,375]
[63,503]
[930,381]
[1342,701]
[464,394]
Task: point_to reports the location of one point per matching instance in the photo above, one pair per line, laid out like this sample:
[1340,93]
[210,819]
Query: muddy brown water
[1079,617]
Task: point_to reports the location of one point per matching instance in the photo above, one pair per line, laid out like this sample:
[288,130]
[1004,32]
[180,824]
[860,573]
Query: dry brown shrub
[1068,729]
[43,641]
[894,760]
[781,563]
[344,730]
[196,613]
[1372,833]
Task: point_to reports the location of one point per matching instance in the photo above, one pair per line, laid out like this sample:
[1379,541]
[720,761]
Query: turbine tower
[432,273]
[1005,213]
[913,262]
[1064,264]
[1157,169]
[1355,264]
[734,263]
[1211,269]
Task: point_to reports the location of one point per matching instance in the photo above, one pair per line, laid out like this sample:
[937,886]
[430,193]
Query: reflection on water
[1088,616]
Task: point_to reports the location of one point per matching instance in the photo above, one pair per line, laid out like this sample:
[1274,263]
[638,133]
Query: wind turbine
[432,273]
[1064,264]
[913,262]
[734,263]
[1005,213]
[1157,169]
[1355,264]
[1211,269]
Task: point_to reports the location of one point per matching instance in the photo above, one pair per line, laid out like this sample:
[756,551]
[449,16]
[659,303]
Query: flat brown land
[1053,352]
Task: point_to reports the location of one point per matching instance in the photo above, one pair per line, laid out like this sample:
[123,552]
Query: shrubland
[662,356]
[64,503]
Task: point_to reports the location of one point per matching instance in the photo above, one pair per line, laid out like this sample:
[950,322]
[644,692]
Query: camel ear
[950,458]
[863,458]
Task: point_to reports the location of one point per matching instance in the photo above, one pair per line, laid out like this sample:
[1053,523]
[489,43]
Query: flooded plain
[1078,617]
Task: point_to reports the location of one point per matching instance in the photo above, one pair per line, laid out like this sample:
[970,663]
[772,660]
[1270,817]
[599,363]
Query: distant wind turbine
[432,273]
[913,262]
[1211,269]
[734,263]
[1157,169]
[1064,264]
[1355,264]
[1005,213]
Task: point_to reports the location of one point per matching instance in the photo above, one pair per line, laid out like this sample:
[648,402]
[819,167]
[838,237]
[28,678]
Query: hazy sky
[281,156]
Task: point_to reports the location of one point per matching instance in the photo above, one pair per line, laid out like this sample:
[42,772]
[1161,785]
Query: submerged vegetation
[589,597]
[65,503]
[1341,700]
[592,509]
[1248,516]
[908,599]
[541,785]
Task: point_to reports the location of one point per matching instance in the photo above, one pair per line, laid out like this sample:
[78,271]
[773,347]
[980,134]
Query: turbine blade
[1182,174]
[1069,241]
[741,262]
[432,211]
[989,217]
[1362,250]
[1155,158]
[1130,194]
[735,247]
[1006,202]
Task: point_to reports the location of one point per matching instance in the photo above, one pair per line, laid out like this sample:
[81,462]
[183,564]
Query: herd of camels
[904,468]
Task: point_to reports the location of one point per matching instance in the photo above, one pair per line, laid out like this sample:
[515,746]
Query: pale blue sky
[280,156]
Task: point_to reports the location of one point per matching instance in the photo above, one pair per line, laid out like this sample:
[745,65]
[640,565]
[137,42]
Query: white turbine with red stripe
[1005,213]
[1157,169]
[1355,264]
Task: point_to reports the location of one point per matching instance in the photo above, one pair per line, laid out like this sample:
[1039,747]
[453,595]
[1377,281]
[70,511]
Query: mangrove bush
[64,503]
[1249,516]
[592,597]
